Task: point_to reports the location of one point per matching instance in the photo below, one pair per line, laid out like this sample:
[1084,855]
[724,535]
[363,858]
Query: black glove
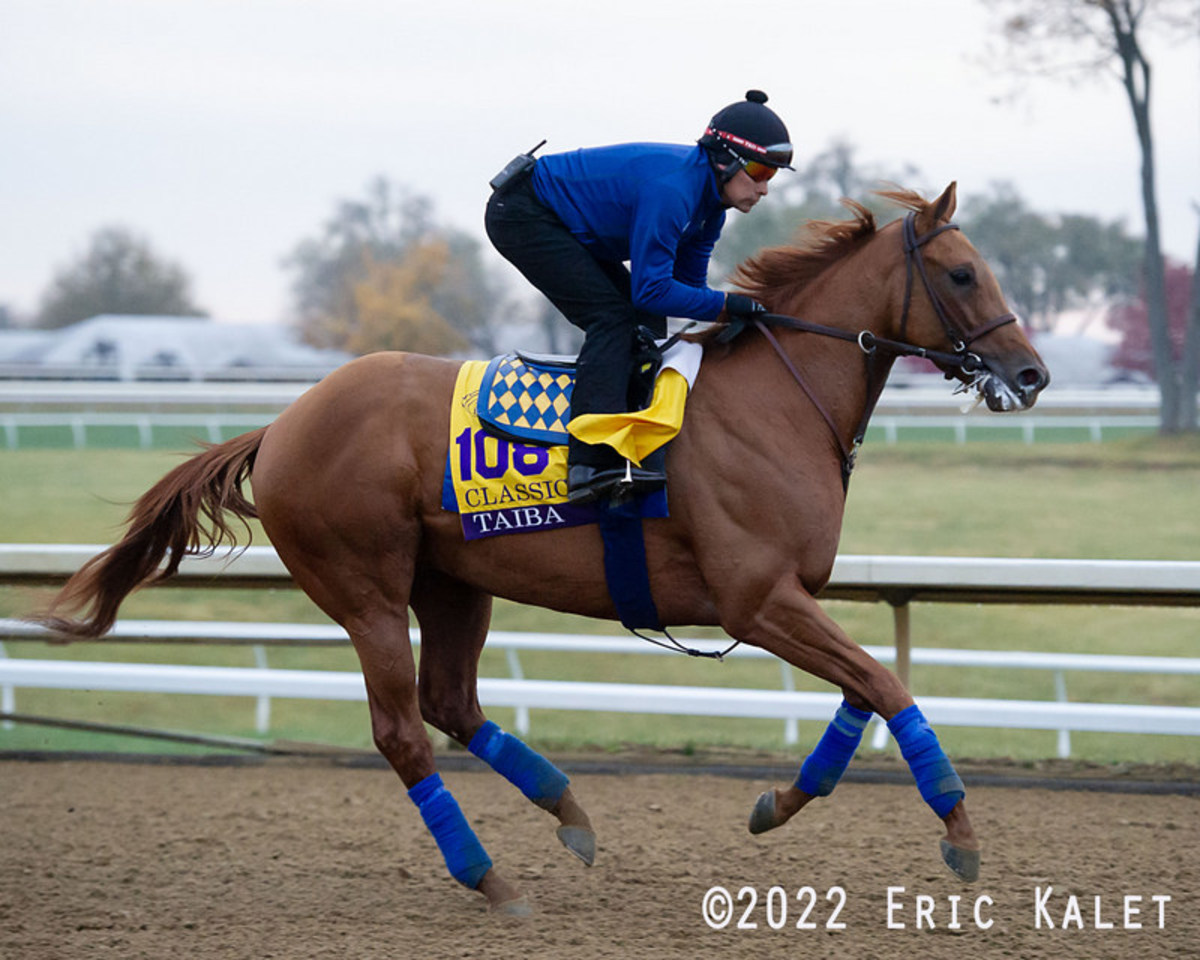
[740,310]
[741,307]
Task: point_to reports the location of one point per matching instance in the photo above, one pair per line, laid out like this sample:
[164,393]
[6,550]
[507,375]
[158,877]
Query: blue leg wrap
[940,786]
[824,767]
[466,859]
[530,772]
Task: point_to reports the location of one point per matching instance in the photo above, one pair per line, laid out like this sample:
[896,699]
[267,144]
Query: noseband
[870,344]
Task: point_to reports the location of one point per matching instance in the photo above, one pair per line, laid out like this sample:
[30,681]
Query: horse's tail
[167,522]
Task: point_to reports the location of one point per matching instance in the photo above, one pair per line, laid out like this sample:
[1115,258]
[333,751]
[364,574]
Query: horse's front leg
[793,626]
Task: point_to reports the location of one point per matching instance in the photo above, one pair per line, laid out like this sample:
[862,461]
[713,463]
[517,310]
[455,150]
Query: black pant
[593,294]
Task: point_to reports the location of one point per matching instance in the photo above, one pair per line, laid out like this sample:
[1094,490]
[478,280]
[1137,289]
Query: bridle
[871,345]
[960,339]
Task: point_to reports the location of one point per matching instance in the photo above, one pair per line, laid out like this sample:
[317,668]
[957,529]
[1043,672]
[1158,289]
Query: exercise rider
[570,221]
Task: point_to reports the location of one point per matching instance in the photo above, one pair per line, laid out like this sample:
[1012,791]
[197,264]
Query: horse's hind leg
[368,595]
[454,621]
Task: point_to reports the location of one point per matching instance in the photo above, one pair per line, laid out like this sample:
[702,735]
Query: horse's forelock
[908,199]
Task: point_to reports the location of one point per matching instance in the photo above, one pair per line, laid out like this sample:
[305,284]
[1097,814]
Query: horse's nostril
[1032,379]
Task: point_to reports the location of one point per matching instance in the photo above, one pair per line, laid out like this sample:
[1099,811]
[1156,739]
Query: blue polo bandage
[823,768]
[940,786]
[530,772]
[466,859]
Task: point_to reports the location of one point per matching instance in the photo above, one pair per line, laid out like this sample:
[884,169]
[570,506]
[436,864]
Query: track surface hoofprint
[310,860]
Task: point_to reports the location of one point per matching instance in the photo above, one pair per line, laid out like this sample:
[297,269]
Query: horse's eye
[962,276]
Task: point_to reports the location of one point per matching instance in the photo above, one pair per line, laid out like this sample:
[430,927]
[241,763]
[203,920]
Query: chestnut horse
[348,485]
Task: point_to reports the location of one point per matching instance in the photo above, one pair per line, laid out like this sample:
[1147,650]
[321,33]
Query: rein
[871,344]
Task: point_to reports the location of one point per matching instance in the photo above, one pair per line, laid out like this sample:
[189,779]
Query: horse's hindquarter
[382,419]
[346,472]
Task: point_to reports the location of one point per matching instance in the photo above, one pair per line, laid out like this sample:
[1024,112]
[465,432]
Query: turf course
[1133,498]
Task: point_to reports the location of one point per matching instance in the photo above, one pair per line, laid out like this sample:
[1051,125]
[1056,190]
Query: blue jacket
[656,205]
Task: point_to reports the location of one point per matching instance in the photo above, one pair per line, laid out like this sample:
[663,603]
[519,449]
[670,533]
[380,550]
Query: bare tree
[118,273]
[370,247]
[1074,37]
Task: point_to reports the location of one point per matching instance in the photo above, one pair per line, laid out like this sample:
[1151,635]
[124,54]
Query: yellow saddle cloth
[517,482]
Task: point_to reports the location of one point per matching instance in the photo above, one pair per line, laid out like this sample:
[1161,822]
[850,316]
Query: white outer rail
[213,406]
[211,425]
[897,580]
[863,577]
[890,425]
[214,424]
[573,695]
[936,396]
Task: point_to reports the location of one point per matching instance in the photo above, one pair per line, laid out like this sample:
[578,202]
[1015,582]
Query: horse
[347,484]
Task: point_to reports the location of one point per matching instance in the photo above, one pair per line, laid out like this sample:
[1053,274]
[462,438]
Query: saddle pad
[500,486]
[527,399]
[511,483]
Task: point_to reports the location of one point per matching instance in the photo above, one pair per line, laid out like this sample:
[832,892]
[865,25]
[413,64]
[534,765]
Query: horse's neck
[855,293]
[750,391]
[850,297]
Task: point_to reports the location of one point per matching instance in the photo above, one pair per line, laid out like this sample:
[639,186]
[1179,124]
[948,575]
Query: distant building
[113,347]
[1077,361]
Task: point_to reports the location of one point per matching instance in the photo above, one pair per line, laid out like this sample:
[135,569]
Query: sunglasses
[779,155]
[759,172]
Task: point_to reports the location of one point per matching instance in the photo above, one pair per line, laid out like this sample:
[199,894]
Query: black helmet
[750,131]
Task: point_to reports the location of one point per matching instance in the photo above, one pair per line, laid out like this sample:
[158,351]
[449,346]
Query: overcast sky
[225,131]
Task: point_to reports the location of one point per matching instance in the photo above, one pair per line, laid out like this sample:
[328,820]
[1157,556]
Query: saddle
[526,398]
[508,433]
[506,463]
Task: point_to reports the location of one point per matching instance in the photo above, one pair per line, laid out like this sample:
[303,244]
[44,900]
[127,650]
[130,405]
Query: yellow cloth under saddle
[637,434]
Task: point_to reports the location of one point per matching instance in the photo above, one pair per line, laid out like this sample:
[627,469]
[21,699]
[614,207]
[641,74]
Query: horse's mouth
[1000,396]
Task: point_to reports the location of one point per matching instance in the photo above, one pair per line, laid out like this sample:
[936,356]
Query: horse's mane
[777,274]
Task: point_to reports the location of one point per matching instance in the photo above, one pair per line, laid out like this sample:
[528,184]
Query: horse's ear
[940,211]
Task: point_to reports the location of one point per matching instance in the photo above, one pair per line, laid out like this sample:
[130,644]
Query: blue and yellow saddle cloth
[506,470]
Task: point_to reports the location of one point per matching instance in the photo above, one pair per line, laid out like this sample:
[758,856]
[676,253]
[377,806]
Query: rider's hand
[741,307]
[739,311]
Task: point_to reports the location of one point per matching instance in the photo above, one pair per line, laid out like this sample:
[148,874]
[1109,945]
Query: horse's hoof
[580,842]
[512,908]
[963,863]
[762,817]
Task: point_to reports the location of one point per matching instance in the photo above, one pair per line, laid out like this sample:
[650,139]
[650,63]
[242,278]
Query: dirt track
[307,859]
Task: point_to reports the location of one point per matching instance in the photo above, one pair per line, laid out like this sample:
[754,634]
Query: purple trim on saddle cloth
[527,513]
